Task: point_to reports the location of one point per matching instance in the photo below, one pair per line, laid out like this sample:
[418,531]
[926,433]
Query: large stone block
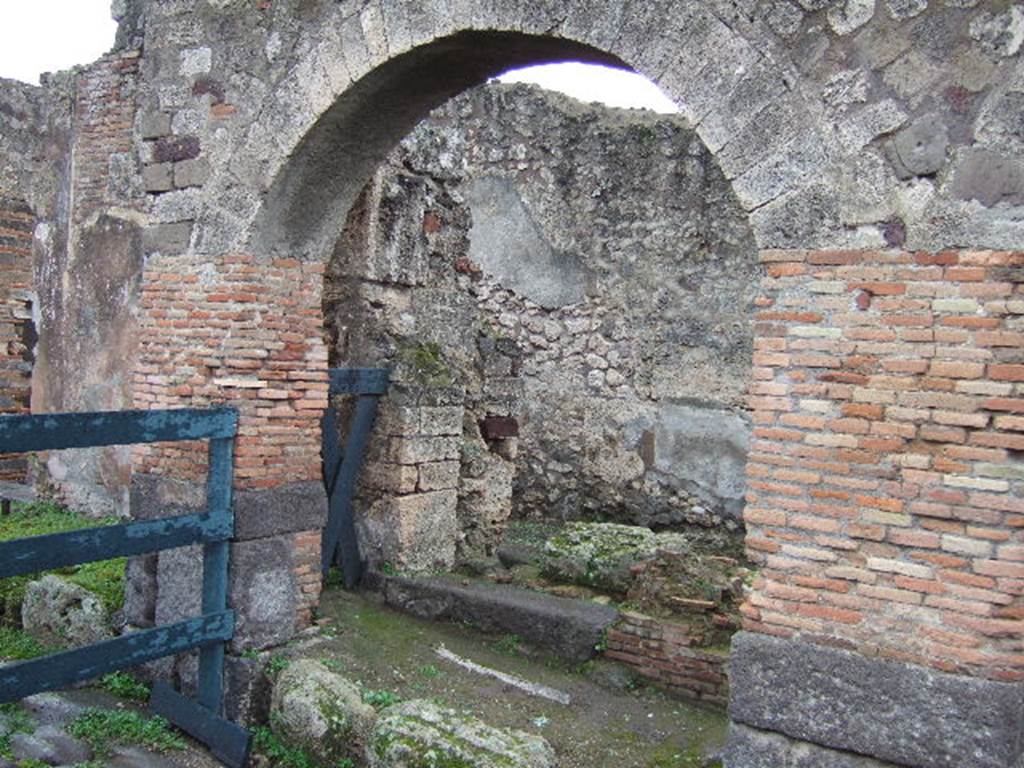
[895,712]
[751,748]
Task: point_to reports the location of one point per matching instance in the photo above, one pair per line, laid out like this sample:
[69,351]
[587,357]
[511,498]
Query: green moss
[426,364]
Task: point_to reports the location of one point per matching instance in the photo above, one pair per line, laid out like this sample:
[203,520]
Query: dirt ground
[611,721]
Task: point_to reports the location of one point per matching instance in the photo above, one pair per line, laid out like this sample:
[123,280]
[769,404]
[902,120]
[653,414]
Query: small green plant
[334,665]
[602,644]
[430,671]
[508,645]
[105,728]
[125,685]
[388,569]
[380,699]
[277,665]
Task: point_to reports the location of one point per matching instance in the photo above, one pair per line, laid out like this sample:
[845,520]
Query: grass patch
[509,645]
[15,645]
[104,729]
[126,686]
[105,579]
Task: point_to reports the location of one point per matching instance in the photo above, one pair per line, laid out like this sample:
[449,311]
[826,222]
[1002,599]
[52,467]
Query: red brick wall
[104,121]
[669,653]
[234,330]
[16,326]
[886,475]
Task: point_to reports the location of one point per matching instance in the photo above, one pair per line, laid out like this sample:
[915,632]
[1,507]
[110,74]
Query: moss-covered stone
[421,734]
[320,712]
[602,554]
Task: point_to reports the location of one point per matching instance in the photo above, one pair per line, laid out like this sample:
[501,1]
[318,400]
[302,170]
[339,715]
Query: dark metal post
[216,557]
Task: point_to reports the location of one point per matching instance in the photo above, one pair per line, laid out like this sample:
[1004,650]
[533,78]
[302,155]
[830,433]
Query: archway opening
[563,294]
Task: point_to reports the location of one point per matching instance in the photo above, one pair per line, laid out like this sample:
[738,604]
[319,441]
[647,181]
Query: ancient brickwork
[886,476]
[104,149]
[17,327]
[243,333]
[671,654]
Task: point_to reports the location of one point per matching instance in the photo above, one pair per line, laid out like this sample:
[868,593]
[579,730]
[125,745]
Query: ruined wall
[25,146]
[68,163]
[17,326]
[848,125]
[583,270]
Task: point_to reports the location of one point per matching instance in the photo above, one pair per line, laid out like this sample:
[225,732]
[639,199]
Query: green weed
[104,728]
[125,686]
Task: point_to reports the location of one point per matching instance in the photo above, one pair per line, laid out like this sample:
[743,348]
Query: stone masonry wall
[582,270]
[886,501]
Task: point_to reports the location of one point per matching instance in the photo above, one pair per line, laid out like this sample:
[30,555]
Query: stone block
[157,177]
[896,712]
[191,173]
[441,420]
[264,592]
[751,748]
[393,478]
[154,125]
[415,532]
[438,476]
[285,509]
[417,450]
[167,238]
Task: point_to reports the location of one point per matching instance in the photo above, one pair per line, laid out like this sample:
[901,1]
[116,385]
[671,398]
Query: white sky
[50,35]
[590,82]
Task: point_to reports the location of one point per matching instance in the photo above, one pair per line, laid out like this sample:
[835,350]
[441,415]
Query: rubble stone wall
[585,271]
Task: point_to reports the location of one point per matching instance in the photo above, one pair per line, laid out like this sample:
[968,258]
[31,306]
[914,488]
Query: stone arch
[376,72]
[862,594]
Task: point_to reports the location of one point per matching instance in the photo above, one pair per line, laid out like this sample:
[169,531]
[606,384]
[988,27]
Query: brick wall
[104,145]
[237,331]
[886,501]
[17,329]
[670,654]
[232,330]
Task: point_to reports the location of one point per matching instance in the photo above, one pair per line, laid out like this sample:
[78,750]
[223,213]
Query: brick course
[886,475]
[17,329]
[670,654]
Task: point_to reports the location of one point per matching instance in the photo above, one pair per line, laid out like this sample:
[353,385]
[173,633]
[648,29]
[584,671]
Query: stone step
[569,628]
